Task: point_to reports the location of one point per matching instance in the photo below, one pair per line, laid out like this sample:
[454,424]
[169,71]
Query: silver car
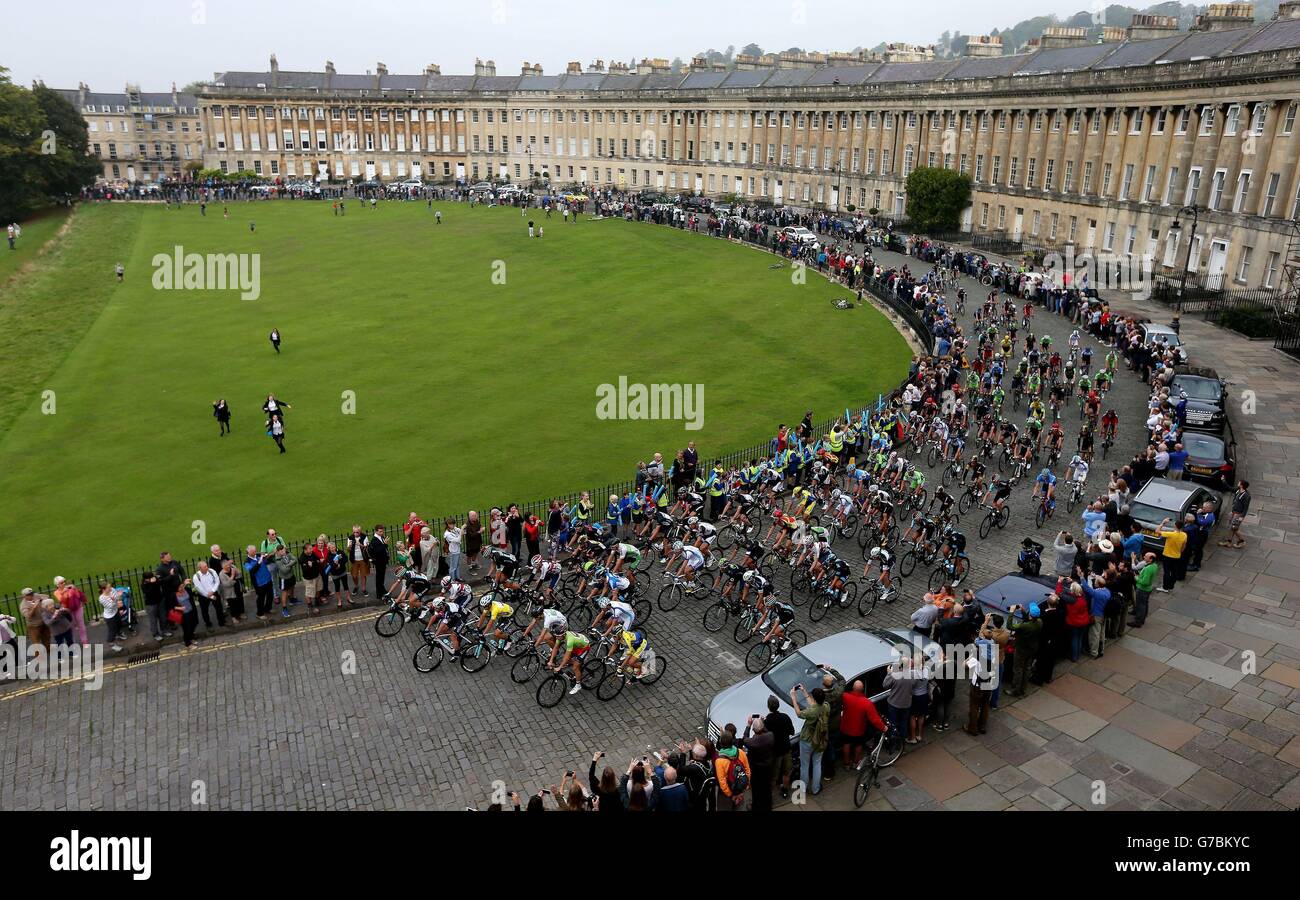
[862,653]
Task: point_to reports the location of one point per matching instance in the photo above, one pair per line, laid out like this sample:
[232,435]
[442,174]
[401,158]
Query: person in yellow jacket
[1174,556]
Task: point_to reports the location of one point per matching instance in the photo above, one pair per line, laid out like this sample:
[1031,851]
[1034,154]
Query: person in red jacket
[858,712]
[1077,618]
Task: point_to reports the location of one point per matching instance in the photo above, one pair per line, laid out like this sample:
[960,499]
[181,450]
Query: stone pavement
[325,714]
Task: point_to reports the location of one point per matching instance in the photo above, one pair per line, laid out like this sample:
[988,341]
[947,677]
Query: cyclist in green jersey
[575,647]
[998,396]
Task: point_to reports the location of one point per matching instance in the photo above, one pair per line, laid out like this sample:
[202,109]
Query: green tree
[936,198]
[21,124]
[65,165]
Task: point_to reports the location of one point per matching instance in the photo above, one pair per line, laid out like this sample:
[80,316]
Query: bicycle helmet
[445,584]
[1046,473]
[485,601]
[818,531]
[677,545]
[558,627]
[875,553]
[638,636]
[693,521]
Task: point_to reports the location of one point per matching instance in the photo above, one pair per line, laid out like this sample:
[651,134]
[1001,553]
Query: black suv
[1207,397]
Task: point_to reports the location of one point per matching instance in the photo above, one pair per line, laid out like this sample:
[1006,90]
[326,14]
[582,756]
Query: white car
[799,233]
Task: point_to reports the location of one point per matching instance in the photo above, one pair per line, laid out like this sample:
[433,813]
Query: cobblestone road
[270,719]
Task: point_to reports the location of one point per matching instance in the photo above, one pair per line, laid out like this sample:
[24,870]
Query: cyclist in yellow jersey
[493,610]
[635,644]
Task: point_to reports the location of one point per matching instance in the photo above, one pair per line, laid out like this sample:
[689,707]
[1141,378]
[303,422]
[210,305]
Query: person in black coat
[377,546]
[1052,641]
[221,412]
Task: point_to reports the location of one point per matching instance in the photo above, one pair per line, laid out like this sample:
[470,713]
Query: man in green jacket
[1143,583]
[1026,626]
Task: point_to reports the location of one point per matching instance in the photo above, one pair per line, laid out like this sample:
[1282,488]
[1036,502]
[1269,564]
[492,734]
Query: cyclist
[503,567]
[884,559]
[635,645]
[1045,486]
[760,584]
[492,611]
[622,554]
[779,614]
[1109,425]
[841,504]
[575,648]
[618,614]
[1055,438]
[954,549]
[553,624]
[692,562]
[997,494]
[1077,471]
[452,620]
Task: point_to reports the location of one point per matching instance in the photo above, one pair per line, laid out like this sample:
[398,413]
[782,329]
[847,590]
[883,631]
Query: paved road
[326,715]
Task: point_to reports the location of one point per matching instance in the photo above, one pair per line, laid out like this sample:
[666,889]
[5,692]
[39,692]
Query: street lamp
[1175,230]
[837,169]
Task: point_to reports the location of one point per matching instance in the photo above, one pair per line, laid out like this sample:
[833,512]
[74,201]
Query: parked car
[697,204]
[1154,333]
[1162,498]
[799,233]
[1014,589]
[1207,397]
[863,654]
[481,186]
[1211,458]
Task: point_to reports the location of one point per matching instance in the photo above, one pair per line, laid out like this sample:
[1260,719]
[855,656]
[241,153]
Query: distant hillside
[1014,38]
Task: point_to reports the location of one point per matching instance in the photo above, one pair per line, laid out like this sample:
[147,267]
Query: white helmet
[875,553]
[692,521]
[485,601]
[445,583]
[677,545]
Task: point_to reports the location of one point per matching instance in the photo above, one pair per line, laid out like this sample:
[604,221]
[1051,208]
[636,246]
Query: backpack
[738,774]
[707,782]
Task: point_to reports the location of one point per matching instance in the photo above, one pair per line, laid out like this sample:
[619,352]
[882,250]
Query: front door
[1218,262]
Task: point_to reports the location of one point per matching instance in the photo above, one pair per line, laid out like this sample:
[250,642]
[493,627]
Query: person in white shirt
[453,536]
[110,598]
[207,585]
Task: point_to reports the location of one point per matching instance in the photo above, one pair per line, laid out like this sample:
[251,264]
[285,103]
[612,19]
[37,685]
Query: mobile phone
[545,791]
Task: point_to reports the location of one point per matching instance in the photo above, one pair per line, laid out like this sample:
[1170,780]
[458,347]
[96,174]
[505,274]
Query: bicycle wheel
[861,790]
[580,615]
[727,537]
[715,617]
[525,668]
[652,667]
[937,578]
[611,686]
[799,586]
[744,629]
[849,595]
[646,562]
[819,606]
[986,525]
[868,597]
[552,691]
[1004,517]
[758,657]
[1041,516]
[850,527]
[428,656]
[1071,501]
[932,458]
[669,597]
[390,623]
[516,645]
[475,657]
[642,608]
[889,753]
[524,612]
[593,673]
[907,564]
[797,638]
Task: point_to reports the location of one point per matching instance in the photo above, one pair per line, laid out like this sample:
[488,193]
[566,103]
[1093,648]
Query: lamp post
[837,169]
[1176,229]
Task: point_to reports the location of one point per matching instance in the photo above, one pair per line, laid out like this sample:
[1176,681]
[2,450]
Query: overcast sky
[156,42]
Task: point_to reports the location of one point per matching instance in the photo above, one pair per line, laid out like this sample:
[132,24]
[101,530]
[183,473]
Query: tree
[70,167]
[752,50]
[936,198]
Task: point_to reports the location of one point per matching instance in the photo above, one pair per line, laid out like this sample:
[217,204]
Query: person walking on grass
[273,407]
[119,271]
[275,428]
[221,412]
[275,339]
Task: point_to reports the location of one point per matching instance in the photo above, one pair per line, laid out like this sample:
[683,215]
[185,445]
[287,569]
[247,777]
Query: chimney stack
[574,68]
[596,68]
[1057,36]
[984,45]
[1288,9]
[433,69]
[1113,34]
[381,69]
[1146,27]
[329,67]
[1225,16]
[482,68]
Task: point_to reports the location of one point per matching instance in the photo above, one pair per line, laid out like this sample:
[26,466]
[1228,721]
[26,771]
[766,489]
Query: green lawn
[36,231]
[468,393]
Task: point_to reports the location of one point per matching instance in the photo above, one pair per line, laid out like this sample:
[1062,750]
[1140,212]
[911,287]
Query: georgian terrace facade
[1096,145]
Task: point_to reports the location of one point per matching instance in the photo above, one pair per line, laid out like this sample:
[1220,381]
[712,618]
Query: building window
[1243,265]
[1270,198]
[1217,186]
[1270,269]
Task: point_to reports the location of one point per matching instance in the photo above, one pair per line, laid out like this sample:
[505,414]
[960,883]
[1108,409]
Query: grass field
[36,232]
[468,393]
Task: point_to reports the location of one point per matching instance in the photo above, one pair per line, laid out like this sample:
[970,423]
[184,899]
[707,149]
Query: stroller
[126,614]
